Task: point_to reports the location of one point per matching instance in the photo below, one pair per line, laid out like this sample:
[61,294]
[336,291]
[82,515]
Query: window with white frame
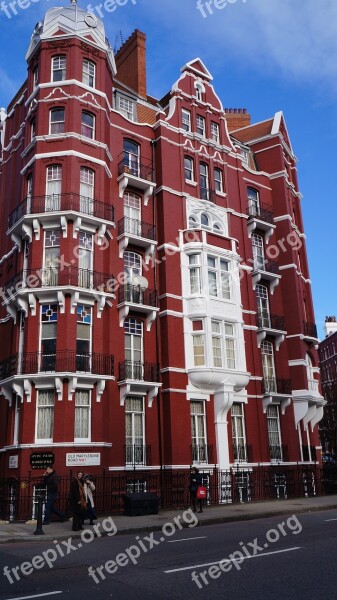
[198,336]
[218,277]
[89,72]
[132,214]
[189,171]
[35,78]
[53,188]
[218,186]
[201,126]
[32,129]
[135,451]
[215,134]
[52,242]
[126,107]
[203,181]
[133,341]
[45,415]
[198,429]
[132,270]
[194,273]
[198,219]
[56,121]
[186,119]
[263,313]
[258,251]
[48,334]
[59,68]
[82,416]
[199,90]
[87,183]
[229,343]
[253,201]
[268,366]
[83,338]
[88,125]
[132,157]
[274,432]
[238,432]
[217,344]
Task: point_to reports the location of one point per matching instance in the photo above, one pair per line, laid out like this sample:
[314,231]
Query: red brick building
[156,299]
[328,363]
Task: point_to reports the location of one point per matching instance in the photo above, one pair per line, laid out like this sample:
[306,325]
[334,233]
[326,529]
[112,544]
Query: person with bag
[195,488]
[89,488]
[51,481]
[77,501]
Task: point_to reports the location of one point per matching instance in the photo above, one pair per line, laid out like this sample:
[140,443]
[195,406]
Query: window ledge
[189,182]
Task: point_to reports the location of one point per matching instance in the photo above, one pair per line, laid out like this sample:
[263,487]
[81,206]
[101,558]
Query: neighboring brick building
[328,362]
[156,298]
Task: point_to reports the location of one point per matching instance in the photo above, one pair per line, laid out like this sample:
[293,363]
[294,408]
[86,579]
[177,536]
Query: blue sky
[264,55]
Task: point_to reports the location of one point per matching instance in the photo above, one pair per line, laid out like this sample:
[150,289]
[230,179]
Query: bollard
[39,530]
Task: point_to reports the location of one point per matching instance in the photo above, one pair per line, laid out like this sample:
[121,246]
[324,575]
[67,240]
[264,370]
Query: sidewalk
[24,532]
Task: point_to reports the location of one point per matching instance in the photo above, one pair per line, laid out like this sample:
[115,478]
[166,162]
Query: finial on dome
[73,1]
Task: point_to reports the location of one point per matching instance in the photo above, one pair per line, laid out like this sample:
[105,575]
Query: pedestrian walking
[89,488]
[195,483]
[77,501]
[51,481]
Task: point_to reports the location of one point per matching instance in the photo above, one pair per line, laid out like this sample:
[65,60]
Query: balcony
[137,455]
[137,173]
[310,332]
[278,453]
[207,194]
[138,377]
[201,453]
[46,207]
[266,270]
[271,325]
[276,391]
[261,218]
[135,298]
[242,452]
[64,361]
[138,233]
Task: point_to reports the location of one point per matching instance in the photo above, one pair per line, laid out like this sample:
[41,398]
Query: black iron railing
[62,203]
[61,275]
[270,321]
[142,371]
[60,361]
[136,228]
[279,453]
[310,329]
[201,453]
[262,212]
[134,294]
[242,452]
[136,454]
[207,194]
[131,164]
[269,266]
[273,385]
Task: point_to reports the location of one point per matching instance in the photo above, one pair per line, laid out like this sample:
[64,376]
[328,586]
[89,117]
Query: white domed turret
[69,21]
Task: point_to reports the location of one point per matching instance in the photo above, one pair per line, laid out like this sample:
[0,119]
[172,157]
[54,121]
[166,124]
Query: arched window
[253,201]
[88,125]
[204,220]
[132,157]
[193,222]
[268,366]
[263,314]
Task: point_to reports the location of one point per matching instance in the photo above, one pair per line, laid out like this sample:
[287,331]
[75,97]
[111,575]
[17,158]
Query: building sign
[83,459]
[41,460]
[13,461]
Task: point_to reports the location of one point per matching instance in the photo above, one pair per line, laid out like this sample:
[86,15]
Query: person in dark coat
[195,482]
[77,501]
[51,481]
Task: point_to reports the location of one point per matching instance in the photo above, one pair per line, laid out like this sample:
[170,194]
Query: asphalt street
[284,557]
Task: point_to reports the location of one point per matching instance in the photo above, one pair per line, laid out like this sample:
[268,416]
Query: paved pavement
[24,532]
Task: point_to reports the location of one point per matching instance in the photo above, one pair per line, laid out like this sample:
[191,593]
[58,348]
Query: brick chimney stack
[131,63]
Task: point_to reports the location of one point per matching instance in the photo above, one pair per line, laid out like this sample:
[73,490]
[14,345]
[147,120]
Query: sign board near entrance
[41,460]
[83,459]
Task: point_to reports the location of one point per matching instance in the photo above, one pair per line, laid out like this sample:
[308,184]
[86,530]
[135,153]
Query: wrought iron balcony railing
[310,329]
[61,275]
[279,453]
[242,452]
[269,266]
[262,212]
[129,226]
[61,203]
[131,164]
[207,194]
[273,385]
[265,320]
[141,371]
[136,454]
[202,453]
[134,294]
[60,361]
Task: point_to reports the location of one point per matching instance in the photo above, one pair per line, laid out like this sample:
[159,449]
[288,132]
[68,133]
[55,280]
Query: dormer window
[59,68]
[199,91]
[126,107]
